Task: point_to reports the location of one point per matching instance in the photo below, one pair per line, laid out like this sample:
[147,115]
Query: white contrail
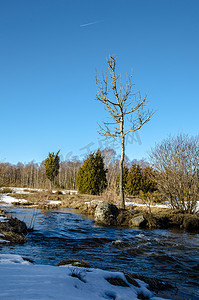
[91,23]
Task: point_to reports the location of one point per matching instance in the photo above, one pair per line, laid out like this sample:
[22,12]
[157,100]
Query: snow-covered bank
[145,205]
[9,200]
[21,280]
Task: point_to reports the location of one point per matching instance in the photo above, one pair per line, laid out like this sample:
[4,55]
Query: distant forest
[33,174]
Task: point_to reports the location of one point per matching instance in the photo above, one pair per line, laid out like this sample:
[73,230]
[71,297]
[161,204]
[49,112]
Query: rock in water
[14,230]
[106,214]
[138,221]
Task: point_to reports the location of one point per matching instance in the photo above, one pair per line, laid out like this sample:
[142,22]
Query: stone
[14,230]
[106,214]
[14,225]
[138,221]
[120,244]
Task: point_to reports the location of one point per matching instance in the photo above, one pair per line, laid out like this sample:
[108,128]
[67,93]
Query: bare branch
[119,109]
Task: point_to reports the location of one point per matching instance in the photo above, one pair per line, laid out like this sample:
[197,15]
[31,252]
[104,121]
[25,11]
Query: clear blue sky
[48,61]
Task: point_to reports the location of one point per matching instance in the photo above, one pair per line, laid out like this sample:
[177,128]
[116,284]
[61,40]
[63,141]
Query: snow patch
[3,241]
[54,202]
[22,280]
[3,219]
[12,259]
[9,200]
[145,205]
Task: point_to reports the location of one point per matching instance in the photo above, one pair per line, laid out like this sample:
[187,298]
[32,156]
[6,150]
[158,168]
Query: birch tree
[126,110]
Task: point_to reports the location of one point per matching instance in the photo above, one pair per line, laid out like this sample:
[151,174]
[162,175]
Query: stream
[64,234]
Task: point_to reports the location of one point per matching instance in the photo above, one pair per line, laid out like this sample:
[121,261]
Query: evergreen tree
[134,180]
[52,166]
[148,180]
[91,178]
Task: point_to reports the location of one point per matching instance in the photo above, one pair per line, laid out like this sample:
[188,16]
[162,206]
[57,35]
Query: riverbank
[22,280]
[135,214]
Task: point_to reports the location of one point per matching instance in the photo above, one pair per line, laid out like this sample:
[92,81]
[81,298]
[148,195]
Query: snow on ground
[2,240]
[156,205]
[54,202]
[21,280]
[3,219]
[25,190]
[9,200]
[70,192]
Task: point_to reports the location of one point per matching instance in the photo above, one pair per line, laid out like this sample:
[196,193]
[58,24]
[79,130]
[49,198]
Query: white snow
[4,241]
[145,205]
[21,280]
[26,190]
[70,192]
[9,200]
[54,202]
[3,219]
[12,259]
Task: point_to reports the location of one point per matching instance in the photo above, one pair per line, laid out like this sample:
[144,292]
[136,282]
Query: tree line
[98,171]
[33,174]
[172,173]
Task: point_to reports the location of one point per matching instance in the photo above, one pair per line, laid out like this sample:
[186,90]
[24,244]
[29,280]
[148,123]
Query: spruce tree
[148,180]
[134,180]
[52,166]
[91,178]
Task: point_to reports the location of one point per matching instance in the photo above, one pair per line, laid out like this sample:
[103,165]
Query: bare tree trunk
[121,174]
[122,201]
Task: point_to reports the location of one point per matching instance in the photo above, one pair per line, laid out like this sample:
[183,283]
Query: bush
[176,163]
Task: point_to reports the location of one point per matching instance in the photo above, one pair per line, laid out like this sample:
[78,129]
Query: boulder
[14,225]
[14,230]
[138,221]
[106,214]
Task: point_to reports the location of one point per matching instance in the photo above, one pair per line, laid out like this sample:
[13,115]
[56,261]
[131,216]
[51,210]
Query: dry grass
[155,217]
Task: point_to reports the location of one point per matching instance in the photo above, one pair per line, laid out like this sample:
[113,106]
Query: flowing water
[63,234]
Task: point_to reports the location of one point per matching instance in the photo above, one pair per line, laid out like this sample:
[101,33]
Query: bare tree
[127,110]
[176,160]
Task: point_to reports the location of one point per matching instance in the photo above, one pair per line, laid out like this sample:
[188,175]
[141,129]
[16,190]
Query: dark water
[64,234]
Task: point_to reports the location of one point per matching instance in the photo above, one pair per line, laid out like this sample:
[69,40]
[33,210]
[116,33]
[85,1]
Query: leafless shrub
[176,161]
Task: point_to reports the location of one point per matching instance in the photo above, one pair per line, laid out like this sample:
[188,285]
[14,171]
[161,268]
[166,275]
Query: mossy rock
[138,221]
[106,214]
[74,262]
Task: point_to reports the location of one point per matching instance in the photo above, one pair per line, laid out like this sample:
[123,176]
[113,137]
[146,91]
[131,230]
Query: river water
[63,234]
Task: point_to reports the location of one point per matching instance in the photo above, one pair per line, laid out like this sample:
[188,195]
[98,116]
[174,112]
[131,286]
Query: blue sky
[48,62]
